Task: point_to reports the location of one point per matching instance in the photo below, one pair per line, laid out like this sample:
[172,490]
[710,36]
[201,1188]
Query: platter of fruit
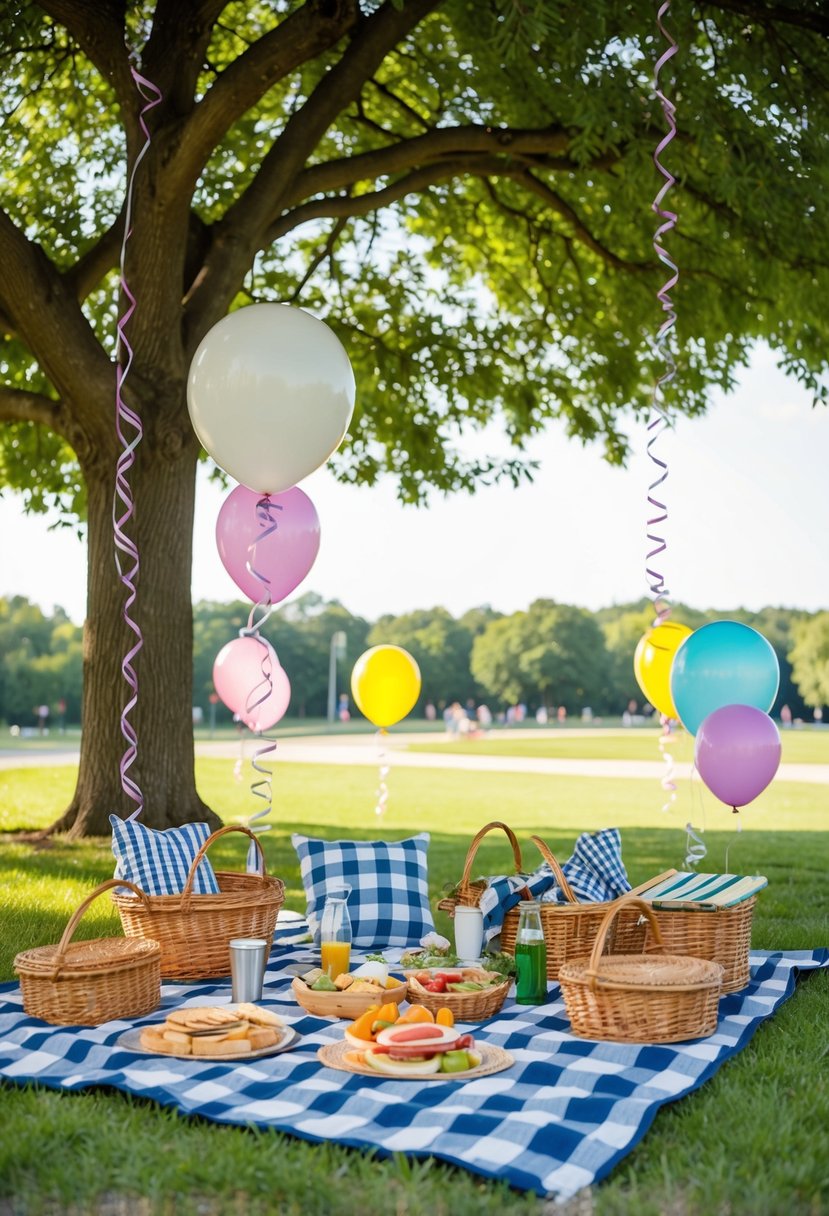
[417,1050]
[349,994]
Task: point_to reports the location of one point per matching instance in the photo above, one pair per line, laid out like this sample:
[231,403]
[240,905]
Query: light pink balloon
[248,678]
[249,543]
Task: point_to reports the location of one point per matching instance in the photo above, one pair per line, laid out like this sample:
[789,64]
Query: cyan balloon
[724,663]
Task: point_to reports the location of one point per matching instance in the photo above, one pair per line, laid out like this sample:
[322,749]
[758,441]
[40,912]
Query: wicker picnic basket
[721,935]
[569,929]
[88,982]
[652,997]
[194,931]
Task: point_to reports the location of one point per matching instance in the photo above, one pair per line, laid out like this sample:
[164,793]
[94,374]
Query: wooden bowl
[344,1004]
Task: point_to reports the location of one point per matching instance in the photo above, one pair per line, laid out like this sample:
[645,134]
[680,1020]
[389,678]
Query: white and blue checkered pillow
[159,862]
[389,900]
[595,873]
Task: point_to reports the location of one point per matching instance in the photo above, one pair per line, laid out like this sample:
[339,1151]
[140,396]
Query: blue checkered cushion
[595,872]
[159,862]
[389,900]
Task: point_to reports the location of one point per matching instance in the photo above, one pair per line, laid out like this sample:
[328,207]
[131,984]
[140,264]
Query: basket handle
[463,886]
[63,944]
[620,905]
[230,827]
[546,853]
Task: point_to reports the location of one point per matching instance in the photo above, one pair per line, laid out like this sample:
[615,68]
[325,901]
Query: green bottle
[530,956]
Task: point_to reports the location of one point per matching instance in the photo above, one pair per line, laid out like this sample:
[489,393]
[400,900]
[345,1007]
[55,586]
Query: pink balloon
[250,544]
[737,753]
[248,678]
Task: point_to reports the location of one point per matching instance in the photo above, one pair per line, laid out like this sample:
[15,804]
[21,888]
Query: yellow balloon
[385,684]
[653,660]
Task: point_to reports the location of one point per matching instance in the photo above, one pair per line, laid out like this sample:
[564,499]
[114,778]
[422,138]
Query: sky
[746,495]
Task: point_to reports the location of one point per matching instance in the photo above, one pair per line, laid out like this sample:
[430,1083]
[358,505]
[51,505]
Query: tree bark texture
[163,487]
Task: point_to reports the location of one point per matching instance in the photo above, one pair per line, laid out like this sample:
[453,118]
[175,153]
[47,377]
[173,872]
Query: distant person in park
[62,716]
[484,716]
[785,716]
[541,715]
[42,712]
[430,713]
[343,713]
[561,715]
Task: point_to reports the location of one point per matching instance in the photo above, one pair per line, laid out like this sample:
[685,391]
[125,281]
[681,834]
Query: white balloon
[270,394]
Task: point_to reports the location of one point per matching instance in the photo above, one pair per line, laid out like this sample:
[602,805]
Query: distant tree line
[549,655]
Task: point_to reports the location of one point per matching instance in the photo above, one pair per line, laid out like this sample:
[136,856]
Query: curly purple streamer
[124,417]
[656,579]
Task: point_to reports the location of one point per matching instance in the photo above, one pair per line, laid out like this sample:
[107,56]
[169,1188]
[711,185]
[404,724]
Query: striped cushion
[704,890]
[159,862]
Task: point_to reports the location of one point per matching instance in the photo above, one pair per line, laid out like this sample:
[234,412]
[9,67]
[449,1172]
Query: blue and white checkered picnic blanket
[557,1121]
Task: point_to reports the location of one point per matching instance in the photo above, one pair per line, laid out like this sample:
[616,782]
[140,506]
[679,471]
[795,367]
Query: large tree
[460,188]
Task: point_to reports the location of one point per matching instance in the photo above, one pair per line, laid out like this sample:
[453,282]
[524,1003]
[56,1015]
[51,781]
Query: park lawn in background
[806,746]
[753,1141]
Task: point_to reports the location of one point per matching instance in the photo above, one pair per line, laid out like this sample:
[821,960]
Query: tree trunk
[163,485]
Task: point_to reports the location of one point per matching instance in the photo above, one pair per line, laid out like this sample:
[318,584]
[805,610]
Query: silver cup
[248,959]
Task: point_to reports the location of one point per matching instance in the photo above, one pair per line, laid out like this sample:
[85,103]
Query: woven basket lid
[97,955]
[645,971]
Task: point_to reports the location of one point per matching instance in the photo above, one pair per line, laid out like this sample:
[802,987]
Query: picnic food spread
[214,1030]
[418,1049]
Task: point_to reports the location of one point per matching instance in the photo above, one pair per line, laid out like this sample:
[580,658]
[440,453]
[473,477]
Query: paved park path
[363,750]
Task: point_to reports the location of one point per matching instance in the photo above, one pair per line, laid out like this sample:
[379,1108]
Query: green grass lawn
[807,746]
[754,1141]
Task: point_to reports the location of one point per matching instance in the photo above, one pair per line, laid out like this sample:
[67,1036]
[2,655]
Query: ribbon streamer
[737,832]
[666,741]
[259,614]
[658,423]
[383,763]
[128,571]
[695,847]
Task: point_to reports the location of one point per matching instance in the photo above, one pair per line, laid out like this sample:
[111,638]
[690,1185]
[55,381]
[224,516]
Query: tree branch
[351,206]
[98,260]
[815,21]
[242,229]
[20,405]
[174,54]
[98,30]
[425,149]
[556,203]
[45,313]
[299,38]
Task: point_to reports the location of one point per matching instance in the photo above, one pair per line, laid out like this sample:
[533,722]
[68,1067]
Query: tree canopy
[461,189]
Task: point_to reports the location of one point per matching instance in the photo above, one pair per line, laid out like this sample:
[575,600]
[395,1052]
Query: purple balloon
[279,541]
[737,753]
[248,678]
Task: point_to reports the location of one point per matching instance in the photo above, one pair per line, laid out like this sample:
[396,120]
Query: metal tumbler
[248,959]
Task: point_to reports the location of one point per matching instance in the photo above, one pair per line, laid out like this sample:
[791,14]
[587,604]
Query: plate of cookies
[215,1032]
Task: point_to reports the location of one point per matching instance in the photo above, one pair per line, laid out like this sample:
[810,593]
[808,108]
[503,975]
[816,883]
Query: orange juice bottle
[335,932]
